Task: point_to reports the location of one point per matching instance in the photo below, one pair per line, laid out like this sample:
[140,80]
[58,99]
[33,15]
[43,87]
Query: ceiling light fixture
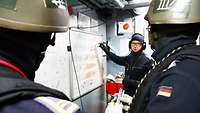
[119,3]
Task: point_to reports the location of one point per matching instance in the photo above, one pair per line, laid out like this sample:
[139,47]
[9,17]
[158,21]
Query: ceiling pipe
[96,3]
[136,5]
[119,3]
[89,4]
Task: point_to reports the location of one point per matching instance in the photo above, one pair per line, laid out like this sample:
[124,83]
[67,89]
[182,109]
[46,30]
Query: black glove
[106,48]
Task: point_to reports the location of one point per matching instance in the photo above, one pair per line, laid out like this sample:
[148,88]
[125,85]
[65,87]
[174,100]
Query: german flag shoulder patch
[165,91]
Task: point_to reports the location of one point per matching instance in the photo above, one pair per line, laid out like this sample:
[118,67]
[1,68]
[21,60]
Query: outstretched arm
[117,59]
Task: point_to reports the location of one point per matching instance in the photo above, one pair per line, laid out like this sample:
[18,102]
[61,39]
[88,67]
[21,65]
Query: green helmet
[174,12]
[34,15]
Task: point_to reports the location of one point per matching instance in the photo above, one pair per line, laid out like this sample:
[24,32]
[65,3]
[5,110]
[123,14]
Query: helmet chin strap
[198,37]
[53,38]
[153,36]
[41,55]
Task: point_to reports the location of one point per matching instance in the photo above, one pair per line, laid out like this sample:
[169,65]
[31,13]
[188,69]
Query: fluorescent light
[119,3]
[138,1]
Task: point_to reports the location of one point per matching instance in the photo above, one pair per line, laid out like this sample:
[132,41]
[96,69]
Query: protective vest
[15,87]
[142,97]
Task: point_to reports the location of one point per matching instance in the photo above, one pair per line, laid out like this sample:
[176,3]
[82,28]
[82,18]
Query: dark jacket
[136,65]
[20,57]
[17,93]
[175,89]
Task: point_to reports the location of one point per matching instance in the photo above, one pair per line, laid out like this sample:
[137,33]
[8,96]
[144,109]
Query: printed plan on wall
[66,70]
[87,61]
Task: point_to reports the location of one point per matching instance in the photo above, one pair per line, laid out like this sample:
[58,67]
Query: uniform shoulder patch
[58,105]
[165,91]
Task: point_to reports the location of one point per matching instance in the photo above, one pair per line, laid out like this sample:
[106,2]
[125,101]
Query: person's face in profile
[136,46]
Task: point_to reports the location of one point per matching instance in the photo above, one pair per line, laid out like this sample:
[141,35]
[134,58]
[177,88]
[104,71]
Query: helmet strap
[53,38]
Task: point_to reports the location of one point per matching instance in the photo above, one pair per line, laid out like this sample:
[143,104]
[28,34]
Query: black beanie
[136,36]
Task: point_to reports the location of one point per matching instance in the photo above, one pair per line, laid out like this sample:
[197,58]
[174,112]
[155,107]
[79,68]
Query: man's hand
[114,108]
[106,48]
[126,99]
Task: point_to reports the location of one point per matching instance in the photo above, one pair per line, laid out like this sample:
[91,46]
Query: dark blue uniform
[176,88]
[20,57]
[136,65]
[20,95]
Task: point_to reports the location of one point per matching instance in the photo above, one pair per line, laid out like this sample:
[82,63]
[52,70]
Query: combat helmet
[174,12]
[34,15]
[171,16]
